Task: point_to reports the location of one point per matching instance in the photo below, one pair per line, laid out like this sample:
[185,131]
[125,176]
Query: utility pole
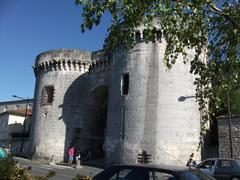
[229,125]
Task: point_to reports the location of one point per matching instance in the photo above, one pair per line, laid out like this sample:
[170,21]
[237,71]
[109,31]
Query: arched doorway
[98,105]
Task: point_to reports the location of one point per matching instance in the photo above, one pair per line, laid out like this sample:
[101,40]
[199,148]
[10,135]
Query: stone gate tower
[151,114]
[115,105]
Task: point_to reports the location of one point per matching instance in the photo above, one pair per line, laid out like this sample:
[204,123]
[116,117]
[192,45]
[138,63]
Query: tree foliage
[9,170]
[211,28]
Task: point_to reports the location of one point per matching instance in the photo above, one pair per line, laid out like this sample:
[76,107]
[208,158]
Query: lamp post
[229,125]
[24,121]
[183,98]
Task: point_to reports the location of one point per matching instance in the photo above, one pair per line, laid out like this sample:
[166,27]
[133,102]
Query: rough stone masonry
[224,131]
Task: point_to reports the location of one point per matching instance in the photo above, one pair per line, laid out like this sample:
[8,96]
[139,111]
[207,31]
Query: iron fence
[210,152]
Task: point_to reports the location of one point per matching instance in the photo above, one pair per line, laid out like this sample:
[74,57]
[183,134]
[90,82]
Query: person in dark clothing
[192,161]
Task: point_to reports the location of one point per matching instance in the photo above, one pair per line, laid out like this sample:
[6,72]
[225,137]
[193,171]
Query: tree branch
[215,9]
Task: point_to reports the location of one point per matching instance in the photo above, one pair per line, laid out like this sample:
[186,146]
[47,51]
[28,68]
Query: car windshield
[206,164]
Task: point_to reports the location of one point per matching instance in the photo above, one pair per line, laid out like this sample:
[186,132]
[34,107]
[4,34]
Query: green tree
[226,100]
[9,170]
[210,27]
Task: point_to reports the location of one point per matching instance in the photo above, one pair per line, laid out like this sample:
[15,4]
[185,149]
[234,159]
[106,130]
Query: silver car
[221,168]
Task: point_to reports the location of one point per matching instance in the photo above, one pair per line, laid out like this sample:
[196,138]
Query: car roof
[153,166]
[175,170]
[220,159]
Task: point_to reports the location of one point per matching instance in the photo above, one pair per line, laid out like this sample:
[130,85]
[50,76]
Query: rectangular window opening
[125,83]
[47,95]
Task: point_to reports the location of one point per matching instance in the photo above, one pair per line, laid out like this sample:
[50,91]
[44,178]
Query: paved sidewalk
[63,170]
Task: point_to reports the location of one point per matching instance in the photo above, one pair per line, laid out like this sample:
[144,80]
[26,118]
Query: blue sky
[29,27]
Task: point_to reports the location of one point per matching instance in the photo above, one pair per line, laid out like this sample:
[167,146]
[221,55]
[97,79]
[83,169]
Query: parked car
[221,168]
[146,172]
[7,149]
[3,153]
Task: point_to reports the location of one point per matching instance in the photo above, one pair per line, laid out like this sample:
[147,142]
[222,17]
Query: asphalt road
[62,172]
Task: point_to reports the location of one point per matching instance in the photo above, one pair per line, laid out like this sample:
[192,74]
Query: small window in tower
[138,36]
[47,95]
[125,83]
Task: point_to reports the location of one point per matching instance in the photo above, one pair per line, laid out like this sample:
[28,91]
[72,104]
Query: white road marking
[49,167]
[57,166]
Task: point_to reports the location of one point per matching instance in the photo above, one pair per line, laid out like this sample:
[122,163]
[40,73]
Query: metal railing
[210,152]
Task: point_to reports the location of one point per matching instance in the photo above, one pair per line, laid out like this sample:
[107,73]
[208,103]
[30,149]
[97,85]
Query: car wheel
[235,178]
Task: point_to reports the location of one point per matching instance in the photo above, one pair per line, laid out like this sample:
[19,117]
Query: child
[78,160]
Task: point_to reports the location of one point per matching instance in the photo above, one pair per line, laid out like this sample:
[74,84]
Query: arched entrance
[98,105]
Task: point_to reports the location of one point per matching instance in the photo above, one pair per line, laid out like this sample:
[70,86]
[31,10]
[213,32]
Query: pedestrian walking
[70,155]
[192,161]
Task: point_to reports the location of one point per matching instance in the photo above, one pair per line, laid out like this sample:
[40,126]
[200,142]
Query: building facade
[15,105]
[15,125]
[115,105]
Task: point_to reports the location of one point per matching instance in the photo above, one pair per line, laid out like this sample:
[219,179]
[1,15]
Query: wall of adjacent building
[4,128]
[13,105]
[224,136]
[11,129]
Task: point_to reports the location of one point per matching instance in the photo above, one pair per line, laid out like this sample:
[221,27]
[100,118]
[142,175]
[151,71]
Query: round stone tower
[156,109]
[55,71]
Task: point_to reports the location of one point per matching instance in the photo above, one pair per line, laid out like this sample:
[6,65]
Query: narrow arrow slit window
[125,83]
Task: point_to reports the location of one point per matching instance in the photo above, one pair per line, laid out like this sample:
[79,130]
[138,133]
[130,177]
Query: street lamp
[229,125]
[183,98]
[24,121]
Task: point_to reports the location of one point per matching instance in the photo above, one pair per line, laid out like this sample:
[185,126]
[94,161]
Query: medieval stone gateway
[116,105]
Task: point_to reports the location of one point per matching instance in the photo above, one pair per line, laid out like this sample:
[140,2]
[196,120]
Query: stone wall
[224,134]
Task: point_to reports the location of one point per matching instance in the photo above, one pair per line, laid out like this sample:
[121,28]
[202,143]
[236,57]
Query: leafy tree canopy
[210,27]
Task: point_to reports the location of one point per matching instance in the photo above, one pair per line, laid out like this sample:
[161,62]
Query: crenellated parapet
[101,61]
[62,65]
[62,60]
[71,60]
[100,65]
[141,36]
[142,32]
